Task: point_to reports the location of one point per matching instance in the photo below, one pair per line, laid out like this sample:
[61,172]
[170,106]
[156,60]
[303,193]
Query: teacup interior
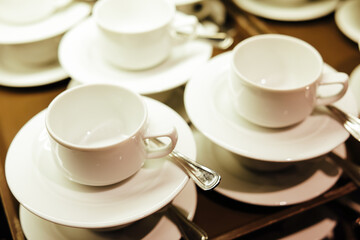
[95,116]
[133,16]
[277,62]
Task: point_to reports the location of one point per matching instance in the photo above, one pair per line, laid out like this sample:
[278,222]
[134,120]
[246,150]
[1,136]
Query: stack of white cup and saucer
[135,44]
[260,120]
[30,32]
[86,168]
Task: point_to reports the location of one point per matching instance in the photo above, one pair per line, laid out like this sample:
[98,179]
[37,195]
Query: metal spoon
[350,122]
[204,177]
[188,229]
[220,40]
[352,125]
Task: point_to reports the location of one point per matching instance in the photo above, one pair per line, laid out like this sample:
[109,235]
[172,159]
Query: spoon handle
[204,177]
[350,122]
[220,40]
[351,169]
[188,229]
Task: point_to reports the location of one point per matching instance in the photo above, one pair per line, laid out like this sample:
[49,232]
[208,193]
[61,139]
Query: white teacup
[138,34]
[98,133]
[28,11]
[274,80]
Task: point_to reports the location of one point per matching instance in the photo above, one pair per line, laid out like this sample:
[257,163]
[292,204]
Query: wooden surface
[221,217]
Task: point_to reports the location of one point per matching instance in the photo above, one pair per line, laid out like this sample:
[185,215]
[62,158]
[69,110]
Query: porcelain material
[354,85]
[28,51]
[29,11]
[56,24]
[16,74]
[67,203]
[299,183]
[35,53]
[80,57]
[139,34]
[98,133]
[274,80]
[296,12]
[172,98]
[347,18]
[153,227]
[206,97]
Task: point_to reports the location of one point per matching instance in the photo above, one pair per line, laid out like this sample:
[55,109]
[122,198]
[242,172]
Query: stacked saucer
[44,192]
[155,226]
[29,49]
[347,19]
[290,163]
[288,10]
[81,57]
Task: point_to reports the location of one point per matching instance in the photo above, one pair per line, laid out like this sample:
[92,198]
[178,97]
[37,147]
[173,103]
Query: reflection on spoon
[204,177]
[350,122]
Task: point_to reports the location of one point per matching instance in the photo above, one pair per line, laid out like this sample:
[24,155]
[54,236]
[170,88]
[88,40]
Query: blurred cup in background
[138,34]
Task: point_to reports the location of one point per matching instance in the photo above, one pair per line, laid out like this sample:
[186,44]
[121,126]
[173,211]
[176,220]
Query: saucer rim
[83,8]
[170,78]
[264,201]
[189,95]
[291,13]
[188,192]
[347,28]
[13,178]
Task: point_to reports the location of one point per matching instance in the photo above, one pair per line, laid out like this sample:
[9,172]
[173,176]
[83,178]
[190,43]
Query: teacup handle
[167,148]
[183,28]
[331,79]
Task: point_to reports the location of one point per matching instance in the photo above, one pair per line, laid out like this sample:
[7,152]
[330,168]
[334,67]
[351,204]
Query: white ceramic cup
[138,34]
[98,133]
[274,80]
[28,11]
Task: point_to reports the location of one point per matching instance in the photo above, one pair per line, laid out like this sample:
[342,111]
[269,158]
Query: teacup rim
[79,147]
[100,24]
[277,36]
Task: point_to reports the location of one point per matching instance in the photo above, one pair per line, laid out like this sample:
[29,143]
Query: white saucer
[15,74]
[298,183]
[40,187]
[306,11]
[153,227]
[209,108]
[56,24]
[81,58]
[354,84]
[347,19]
